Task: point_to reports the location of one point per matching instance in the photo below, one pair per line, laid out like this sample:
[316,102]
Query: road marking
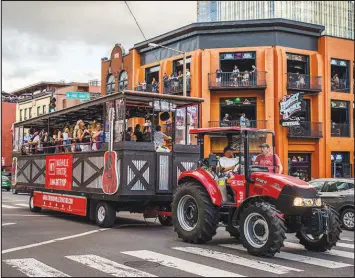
[33,268]
[190,267]
[22,205]
[347,239]
[256,264]
[109,267]
[345,245]
[8,207]
[330,252]
[297,258]
[50,241]
[7,224]
[27,215]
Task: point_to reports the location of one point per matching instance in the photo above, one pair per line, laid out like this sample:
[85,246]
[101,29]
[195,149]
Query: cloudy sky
[53,41]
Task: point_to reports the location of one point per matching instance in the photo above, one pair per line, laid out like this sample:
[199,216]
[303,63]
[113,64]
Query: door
[332,192]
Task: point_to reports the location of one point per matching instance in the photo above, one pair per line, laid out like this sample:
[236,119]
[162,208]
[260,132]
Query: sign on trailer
[78,95]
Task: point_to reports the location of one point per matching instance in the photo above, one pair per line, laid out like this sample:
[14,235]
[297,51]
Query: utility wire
[139,26]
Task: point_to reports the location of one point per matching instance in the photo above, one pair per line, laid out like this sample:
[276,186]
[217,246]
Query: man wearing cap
[228,162]
[266,158]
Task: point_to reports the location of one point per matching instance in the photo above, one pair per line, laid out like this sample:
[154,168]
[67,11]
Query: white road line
[7,224]
[345,245]
[256,264]
[33,268]
[50,241]
[8,207]
[190,267]
[109,267]
[347,239]
[22,205]
[332,252]
[297,258]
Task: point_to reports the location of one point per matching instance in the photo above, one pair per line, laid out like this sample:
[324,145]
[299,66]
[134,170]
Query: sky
[54,41]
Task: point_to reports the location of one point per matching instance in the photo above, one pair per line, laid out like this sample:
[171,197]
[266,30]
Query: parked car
[5,182]
[338,193]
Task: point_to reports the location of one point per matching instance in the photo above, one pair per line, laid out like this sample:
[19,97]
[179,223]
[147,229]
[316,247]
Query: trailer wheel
[322,243]
[33,208]
[262,230]
[105,215]
[165,220]
[195,217]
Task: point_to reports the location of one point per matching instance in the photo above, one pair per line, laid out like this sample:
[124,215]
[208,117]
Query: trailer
[121,175]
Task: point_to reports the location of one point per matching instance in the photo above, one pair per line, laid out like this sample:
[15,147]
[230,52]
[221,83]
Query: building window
[243,60]
[123,81]
[30,112]
[64,101]
[152,79]
[110,85]
[297,71]
[340,73]
[20,114]
[340,118]
[44,109]
[25,117]
[178,65]
[38,110]
[340,163]
[299,166]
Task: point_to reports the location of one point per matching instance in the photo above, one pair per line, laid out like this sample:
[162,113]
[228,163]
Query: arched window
[110,85]
[123,81]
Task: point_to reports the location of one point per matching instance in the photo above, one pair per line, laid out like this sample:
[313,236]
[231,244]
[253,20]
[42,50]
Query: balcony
[306,130]
[171,87]
[340,130]
[233,81]
[341,86]
[304,82]
[260,124]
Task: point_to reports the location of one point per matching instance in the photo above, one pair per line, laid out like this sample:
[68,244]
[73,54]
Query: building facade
[336,16]
[277,60]
[8,117]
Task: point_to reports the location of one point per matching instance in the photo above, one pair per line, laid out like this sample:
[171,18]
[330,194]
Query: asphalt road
[49,244]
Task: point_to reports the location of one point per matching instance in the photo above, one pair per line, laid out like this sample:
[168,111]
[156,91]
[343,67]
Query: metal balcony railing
[306,130]
[303,82]
[343,85]
[148,88]
[170,87]
[260,124]
[237,80]
[340,130]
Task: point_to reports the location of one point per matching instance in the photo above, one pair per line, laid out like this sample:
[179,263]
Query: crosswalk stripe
[7,224]
[347,239]
[256,264]
[33,268]
[109,267]
[297,258]
[333,252]
[187,266]
[8,207]
[345,245]
[22,205]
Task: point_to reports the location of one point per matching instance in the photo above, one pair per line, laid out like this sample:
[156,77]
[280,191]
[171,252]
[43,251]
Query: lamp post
[184,64]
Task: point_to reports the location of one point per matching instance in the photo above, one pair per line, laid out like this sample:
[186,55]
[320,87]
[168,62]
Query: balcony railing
[340,130]
[260,124]
[148,88]
[304,82]
[230,80]
[306,130]
[170,87]
[341,86]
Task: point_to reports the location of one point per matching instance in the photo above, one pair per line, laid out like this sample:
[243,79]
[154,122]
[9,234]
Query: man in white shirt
[159,137]
[228,162]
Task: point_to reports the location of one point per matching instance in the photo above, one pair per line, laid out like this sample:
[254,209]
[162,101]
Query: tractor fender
[252,199]
[206,181]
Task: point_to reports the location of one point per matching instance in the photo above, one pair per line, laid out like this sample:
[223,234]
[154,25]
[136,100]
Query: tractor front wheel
[195,217]
[262,230]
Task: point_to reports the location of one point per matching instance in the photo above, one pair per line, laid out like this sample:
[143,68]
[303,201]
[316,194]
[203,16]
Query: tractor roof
[215,130]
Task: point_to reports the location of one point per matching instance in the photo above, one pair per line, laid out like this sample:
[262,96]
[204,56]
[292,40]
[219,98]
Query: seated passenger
[228,162]
[129,134]
[159,137]
[138,133]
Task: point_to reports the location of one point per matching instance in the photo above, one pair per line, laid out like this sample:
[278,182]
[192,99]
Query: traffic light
[52,104]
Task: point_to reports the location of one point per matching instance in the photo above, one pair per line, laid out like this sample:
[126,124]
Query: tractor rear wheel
[195,217]
[322,243]
[262,230]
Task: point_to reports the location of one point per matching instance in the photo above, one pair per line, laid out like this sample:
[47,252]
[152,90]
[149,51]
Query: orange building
[254,67]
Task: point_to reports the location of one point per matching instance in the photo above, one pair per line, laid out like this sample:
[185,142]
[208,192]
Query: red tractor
[254,204]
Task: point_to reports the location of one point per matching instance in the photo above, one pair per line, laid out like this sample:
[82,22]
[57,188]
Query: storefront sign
[238,56]
[60,202]
[296,57]
[339,104]
[59,171]
[340,63]
[290,106]
[238,101]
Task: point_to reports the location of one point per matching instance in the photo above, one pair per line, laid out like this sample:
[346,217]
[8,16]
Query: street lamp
[184,62]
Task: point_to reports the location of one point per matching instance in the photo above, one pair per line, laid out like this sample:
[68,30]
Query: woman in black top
[138,133]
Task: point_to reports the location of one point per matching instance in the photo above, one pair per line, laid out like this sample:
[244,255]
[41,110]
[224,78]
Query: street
[55,245]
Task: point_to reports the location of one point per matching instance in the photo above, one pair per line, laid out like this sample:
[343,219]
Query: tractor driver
[265,159]
[228,162]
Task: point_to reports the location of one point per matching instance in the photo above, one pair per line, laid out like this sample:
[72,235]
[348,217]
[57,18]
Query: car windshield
[317,184]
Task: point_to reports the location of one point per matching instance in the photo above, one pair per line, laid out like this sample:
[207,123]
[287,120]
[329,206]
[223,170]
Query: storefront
[231,109]
[299,166]
[341,167]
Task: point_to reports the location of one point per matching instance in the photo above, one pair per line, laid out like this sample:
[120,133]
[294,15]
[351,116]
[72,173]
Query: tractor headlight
[307,202]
